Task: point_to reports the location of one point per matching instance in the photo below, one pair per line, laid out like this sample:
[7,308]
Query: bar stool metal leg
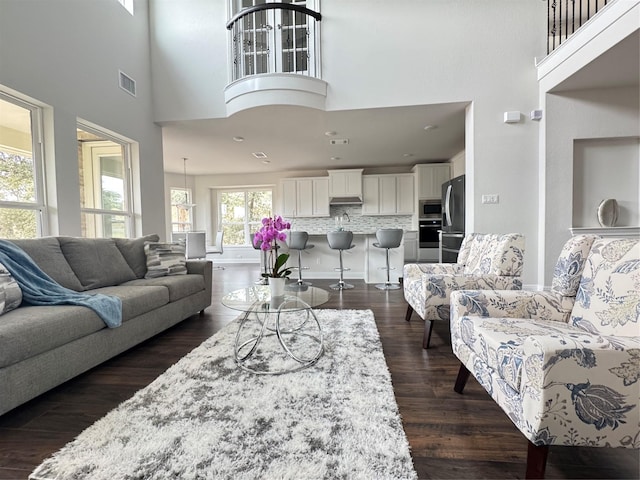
[300,281]
[388,285]
[341,285]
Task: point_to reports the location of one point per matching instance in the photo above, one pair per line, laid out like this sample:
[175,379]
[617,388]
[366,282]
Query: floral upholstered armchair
[485,261]
[564,364]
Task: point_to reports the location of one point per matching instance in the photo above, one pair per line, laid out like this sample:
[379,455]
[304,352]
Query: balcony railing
[566,16]
[275,38]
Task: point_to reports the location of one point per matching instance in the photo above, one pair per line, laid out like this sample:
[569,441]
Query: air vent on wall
[127,83]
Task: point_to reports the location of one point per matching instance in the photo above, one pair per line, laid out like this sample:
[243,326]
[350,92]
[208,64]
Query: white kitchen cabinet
[305,197]
[388,194]
[320,191]
[289,198]
[406,202]
[345,183]
[429,179]
[410,246]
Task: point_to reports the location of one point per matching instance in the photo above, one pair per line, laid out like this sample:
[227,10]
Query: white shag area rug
[205,418]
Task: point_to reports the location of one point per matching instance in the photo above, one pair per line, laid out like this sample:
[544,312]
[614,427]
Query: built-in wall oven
[429,232]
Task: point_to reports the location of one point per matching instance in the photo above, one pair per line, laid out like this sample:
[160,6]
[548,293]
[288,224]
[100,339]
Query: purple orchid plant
[267,237]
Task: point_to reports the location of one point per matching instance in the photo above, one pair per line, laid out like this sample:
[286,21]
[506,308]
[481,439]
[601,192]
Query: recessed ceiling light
[259,154]
[407,154]
[430,127]
[335,158]
[330,133]
[238,139]
[266,162]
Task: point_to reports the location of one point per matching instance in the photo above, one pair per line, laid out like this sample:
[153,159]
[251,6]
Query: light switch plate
[491,198]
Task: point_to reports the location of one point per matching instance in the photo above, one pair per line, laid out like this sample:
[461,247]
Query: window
[274,40]
[22,207]
[241,213]
[128,4]
[104,185]
[181,209]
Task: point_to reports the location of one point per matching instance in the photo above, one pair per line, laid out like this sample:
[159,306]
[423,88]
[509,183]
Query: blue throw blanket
[38,288]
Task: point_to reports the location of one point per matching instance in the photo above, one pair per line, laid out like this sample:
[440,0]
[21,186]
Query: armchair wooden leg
[536,460]
[461,380]
[407,316]
[428,329]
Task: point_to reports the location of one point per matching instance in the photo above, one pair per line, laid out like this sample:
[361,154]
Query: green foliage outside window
[241,213]
[17,184]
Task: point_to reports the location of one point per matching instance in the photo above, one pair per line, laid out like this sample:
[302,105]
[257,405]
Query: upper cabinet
[305,197]
[429,179]
[388,194]
[345,183]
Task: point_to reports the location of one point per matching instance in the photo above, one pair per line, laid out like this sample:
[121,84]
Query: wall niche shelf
[620,232]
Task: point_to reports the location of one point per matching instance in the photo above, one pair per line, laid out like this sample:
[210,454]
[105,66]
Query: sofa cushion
[29,331]
[47,253]
[165,259]
[132,249]
[10,293]
[137,300]
[179,286]
[498,342]
[609,293]
[97,262]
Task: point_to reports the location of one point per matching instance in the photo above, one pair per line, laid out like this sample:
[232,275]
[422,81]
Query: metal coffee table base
[244,352]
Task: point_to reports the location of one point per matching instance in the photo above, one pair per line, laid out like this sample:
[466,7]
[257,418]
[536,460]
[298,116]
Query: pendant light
[185,204]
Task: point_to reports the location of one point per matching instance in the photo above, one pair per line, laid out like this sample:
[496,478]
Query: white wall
[407,52]
[66,55]
[572,116]
[606,168]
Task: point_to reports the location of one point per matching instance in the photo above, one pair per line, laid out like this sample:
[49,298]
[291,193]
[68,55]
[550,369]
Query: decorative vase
[608,212]
[276,286]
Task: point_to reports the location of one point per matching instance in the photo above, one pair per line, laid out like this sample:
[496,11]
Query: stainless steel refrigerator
[453,205]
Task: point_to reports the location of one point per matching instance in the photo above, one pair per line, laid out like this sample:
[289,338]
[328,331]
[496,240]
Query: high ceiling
[295,138]
[298,138]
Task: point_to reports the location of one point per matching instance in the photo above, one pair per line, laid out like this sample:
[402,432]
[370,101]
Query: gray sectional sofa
[44,346]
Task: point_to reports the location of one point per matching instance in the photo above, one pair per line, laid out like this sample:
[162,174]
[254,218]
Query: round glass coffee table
[277,334]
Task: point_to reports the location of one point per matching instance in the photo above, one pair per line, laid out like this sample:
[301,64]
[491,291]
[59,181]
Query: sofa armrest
[198,267]
[511,304]
[420,269]
[578,388]
[204,268]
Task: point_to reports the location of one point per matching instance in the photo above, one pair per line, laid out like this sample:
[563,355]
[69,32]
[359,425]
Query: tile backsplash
[354,221]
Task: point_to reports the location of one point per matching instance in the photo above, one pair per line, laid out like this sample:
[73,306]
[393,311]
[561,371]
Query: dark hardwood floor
[451,436]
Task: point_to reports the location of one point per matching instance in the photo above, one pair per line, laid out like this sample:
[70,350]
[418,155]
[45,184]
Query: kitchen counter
[365,261]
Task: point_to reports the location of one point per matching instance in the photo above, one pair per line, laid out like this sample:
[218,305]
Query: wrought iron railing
[566,16]
[275,38]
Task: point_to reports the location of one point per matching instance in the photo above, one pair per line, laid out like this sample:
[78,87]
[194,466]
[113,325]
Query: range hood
[352,200]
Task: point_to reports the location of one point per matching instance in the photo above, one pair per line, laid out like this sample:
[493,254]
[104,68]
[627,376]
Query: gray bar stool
[298,241]
[263,261]
[388,238]
[340,240]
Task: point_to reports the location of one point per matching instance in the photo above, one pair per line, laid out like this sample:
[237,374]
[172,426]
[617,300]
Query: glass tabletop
[257,298]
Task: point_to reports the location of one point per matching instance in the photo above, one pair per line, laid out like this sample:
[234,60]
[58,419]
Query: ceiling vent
[127,83]
[259,154]
[339,141]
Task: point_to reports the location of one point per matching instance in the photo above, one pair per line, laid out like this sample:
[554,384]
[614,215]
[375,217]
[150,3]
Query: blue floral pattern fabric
[560,380]
[608,299]
[486,261]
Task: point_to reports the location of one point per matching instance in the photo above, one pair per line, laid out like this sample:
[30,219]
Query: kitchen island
[365,261]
